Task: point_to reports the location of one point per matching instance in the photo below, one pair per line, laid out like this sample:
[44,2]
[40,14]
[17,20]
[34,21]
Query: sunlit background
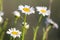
[12,5]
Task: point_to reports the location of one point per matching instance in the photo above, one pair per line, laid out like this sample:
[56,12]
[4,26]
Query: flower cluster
[27,10]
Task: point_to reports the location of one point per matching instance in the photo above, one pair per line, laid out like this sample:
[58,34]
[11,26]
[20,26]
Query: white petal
[1,19]
[14,29]
[55,25]
[8,32]
[32,10]
[43,14]
[27,6]
[1,13]
[20,7]
[48,12]
[14,36]
[45,8]
[25,23]
[16,13]
[38,8]
[20,32]
[27,26]
[49,20]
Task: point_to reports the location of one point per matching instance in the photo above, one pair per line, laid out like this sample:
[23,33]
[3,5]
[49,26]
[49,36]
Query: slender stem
[25,19]
[45,35]
[15,22]
[4,28]
[45,32]
[35,33]
[23,31]
[0,29]
[37,27]
[10,38]
[23,35]
[5,24]
[2,36]
[39,21]
[13,38]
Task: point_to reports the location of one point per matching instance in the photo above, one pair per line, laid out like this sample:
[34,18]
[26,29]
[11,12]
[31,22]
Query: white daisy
[16,13]
[26,25]
[1,19]
[14,33]
[50,21]
[43,11]
[26,9]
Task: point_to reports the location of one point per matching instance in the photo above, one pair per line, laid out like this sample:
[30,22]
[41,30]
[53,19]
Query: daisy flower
[16,13]
[26,25]
[14,33]
[50,21]
[43,11]
[26,9]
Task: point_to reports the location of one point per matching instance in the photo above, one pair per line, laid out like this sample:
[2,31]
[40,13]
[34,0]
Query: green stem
[2,36]
[25,19]
[10,38]
[0,29]
[1,5]
[13,38]
[45,32]
[16,19]
[4,28]
[23,35]
[37,27]
[23,31]
[39,21]
[35,33]
[5,24]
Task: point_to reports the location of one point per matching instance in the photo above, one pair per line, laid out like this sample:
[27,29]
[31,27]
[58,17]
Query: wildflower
[43,11]
[26,9]
[14,33]
[50,21]
[16,13]
[26,25]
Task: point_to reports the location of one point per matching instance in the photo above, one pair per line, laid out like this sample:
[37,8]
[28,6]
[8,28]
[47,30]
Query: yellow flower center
[43,11]
[14,33]
[26,9]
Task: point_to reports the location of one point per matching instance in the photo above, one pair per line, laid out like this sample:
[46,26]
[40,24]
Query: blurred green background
[12,5]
